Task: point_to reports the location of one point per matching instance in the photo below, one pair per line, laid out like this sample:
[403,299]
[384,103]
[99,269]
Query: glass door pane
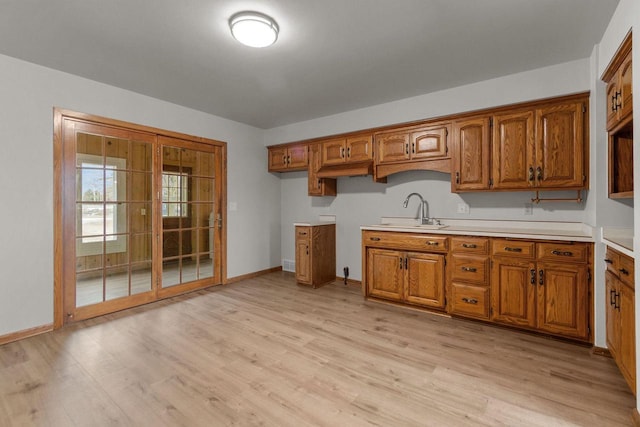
[188,188]
[113,217]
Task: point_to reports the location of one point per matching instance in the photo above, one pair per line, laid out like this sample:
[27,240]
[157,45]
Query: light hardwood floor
[265,351]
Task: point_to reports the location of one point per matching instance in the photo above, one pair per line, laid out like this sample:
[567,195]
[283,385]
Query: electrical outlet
[463,208]
[528,208]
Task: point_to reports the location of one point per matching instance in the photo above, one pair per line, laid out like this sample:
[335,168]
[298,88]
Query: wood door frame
[59,193]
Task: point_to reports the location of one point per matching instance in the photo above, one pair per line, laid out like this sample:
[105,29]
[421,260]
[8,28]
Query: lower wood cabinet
[620,303]
[411,277]
[315,254]
[548,296]
[541,286]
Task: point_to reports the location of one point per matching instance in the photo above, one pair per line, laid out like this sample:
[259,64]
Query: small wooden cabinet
[542,286]
[315,254]
[352,149]
[401,273]
[620,310]
[288,158]
[618,77]
[319,186]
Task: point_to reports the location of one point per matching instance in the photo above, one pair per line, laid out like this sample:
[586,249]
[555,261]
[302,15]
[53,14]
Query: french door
[138,216]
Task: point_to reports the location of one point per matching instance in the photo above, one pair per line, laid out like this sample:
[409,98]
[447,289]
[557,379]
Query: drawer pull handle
[469,269]
[608,261]
[624,271]
[375,239]
[432,243]
[469,245]
[508,249]
[470,300]
[302,233]
[562,253]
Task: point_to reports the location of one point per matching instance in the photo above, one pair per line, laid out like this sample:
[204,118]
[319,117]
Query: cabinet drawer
[303,233]
[513,248]
[406,241]
[612,261]
[626,270]
[472,301]
[471,245]
[472,269]
[563,252]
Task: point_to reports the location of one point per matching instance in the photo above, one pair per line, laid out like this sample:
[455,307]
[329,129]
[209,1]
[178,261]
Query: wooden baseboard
[601,351]
[26,333]
[350,281]
[252,275]
[635,418]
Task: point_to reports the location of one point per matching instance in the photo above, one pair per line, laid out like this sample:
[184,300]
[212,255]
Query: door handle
[541,281]
[533,276]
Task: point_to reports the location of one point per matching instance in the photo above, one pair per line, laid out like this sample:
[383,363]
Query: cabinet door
[385,274]
[563,299]
[612,111]
[393,147]
[425,279]
[429,143]
[297,157]
[613,319]
[627,350]
[471,155]
[319,186]
[359,148]
[513,156]
[626,88]
[512,292]
[277,159]
[560,146]
[333,151]
[303,257]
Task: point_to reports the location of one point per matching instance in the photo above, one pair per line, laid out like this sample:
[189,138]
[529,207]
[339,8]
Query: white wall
[28,94]
[361,201]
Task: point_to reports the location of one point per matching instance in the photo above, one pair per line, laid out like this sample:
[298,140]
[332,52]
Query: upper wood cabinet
[412,144]
[537,148]
[347,150]
[319,186]
[618,77]
[288,158]
[470,156]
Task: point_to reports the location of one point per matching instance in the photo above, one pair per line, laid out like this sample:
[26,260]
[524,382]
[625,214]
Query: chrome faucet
[425,208]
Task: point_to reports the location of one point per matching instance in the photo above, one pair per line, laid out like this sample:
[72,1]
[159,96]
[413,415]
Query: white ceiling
[331,55]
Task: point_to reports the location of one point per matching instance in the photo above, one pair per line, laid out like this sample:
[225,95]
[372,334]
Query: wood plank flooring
[265,351]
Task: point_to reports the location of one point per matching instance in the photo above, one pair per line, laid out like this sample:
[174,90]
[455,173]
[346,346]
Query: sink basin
[419,226]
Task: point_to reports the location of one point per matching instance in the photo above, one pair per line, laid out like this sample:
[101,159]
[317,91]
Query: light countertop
[619,238]
[321,220]
[545,230]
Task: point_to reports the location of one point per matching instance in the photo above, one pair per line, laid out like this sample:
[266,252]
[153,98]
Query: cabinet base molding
[635,418]
[26,333]
[252,275]
[601,351]
[405,306]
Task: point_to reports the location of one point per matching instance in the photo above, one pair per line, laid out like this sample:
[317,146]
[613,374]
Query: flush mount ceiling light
[254,29]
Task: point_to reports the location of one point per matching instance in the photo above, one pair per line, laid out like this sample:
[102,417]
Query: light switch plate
[233,206]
